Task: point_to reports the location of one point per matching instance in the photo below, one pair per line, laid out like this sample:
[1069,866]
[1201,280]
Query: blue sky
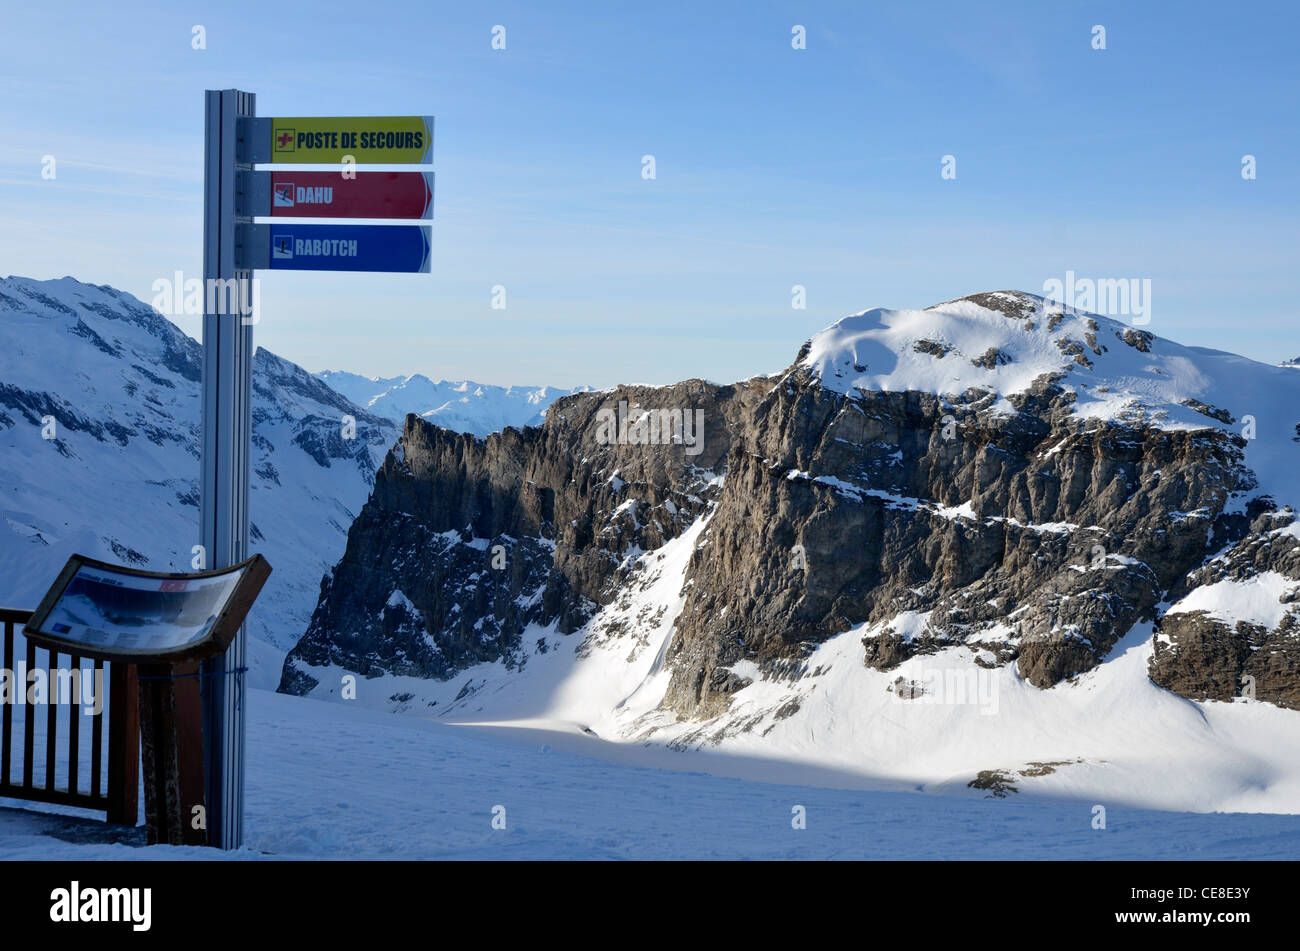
[775,167]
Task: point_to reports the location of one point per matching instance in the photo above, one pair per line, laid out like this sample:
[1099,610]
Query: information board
[103,610]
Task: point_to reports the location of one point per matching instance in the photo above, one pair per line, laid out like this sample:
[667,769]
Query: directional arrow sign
[366,140]
[330,195]
[297,247]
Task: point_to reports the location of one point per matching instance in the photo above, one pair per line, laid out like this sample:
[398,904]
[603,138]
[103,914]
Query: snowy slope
[120,479]
[464,406]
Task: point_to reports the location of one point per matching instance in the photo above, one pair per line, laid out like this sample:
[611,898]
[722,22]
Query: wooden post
[171,731]
[123,745]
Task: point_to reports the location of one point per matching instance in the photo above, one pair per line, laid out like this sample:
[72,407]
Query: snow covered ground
[584,766]
[341,781]
[119,383]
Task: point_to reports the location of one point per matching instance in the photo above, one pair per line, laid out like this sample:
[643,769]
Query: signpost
[234,245]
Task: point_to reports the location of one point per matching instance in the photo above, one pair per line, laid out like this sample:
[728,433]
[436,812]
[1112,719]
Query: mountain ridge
[1068,516]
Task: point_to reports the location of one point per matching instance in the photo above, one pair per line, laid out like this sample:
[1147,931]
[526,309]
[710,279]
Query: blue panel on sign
[403,248]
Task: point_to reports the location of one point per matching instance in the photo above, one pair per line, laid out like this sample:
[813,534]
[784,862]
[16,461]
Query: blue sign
[304,247]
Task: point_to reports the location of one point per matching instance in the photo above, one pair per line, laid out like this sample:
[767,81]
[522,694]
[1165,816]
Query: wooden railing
[114,791]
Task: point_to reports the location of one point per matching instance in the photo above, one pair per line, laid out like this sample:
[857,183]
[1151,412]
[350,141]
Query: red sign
[360,195]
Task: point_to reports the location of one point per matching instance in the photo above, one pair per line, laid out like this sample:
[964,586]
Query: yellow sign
[366,140]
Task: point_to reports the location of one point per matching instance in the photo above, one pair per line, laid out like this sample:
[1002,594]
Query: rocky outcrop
[1206,650]
[465,541]
[851,493]
[1038,536]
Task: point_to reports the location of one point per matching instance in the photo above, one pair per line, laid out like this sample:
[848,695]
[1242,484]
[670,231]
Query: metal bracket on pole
[226,446]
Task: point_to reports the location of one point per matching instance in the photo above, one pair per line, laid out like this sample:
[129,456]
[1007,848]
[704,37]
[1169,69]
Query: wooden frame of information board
[172,737]
[252,572]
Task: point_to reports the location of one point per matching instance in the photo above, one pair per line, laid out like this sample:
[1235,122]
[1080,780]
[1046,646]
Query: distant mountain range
[464,406]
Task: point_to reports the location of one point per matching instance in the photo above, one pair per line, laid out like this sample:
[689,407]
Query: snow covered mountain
[989,546]
[462,406]
[99,415]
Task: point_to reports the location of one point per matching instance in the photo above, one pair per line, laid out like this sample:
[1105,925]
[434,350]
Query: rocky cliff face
[1236,629]
[465,542]
[1030,537]
[994,474]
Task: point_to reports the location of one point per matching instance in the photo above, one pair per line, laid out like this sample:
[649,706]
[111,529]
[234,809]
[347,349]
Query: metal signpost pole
[226,446]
